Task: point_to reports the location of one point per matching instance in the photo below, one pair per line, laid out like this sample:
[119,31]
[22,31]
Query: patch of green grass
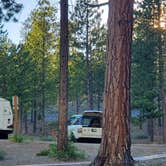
[43,153]
[17,138]
[2,155]
[71,153]
[47,138]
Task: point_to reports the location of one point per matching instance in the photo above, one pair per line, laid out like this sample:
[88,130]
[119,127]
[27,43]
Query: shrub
[17,138]
[43,153]
[71,152]
[2,155]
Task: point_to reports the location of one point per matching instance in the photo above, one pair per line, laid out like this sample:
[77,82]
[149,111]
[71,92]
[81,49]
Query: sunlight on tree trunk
[116,143]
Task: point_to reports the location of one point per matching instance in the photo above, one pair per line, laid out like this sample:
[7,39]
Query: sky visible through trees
[14,29]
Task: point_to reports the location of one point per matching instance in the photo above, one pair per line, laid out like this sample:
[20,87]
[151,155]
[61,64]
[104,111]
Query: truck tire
[3,135]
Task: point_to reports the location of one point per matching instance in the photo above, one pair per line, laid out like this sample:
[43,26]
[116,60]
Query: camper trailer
[6,118]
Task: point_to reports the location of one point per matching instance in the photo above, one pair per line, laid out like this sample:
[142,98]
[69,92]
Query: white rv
[6,118]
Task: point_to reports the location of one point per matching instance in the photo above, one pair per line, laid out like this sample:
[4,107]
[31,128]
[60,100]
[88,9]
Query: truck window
[91,121]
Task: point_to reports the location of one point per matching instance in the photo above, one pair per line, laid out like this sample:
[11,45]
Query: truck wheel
[4,136]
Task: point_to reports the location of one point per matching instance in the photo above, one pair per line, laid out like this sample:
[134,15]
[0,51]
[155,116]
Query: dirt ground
[25,153]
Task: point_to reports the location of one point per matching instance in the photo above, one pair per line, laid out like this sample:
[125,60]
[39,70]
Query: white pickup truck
[86,126]
[6,118]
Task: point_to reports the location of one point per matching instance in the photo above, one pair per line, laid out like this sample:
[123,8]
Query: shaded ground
[25,153]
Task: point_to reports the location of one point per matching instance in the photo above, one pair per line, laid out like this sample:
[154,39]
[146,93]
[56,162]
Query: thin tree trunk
[43,79]
[63,93]
[32,118]
[25,122]
[159,108]
[89,82]
[151,129]
[116,143]
[98,101]
[34,115]
[21,114]
[77,103]
[164,119]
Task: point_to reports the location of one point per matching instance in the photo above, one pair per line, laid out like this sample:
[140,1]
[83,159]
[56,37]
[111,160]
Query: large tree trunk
[115,146]
[63,93]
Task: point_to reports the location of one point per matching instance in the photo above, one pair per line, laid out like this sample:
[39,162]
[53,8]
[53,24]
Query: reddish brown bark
[63,93]
[115,146]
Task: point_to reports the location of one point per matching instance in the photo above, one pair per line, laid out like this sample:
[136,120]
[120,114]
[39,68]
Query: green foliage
[144,83]
[43,153]
[71,153]
[8,9]
[17,138]
[78,69]
[2,155]
[135,121]
[31,68]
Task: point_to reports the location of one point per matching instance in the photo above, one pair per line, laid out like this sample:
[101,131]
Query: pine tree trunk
[151,129]
[77,103]
[115,146]
[34,115]
[164,119]
[21,114]
[25,122]
[98,101]
[63,93]
[89,82]
[43,78]
[161,74]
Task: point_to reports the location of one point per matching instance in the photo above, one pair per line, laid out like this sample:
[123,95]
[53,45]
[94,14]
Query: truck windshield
[75,120]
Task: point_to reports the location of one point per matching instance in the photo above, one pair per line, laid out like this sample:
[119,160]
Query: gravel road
[25,153]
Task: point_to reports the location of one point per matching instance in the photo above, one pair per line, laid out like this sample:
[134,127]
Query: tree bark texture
[115,146]
[63,93]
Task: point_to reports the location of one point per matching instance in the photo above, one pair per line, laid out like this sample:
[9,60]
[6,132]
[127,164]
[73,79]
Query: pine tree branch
[96,5]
